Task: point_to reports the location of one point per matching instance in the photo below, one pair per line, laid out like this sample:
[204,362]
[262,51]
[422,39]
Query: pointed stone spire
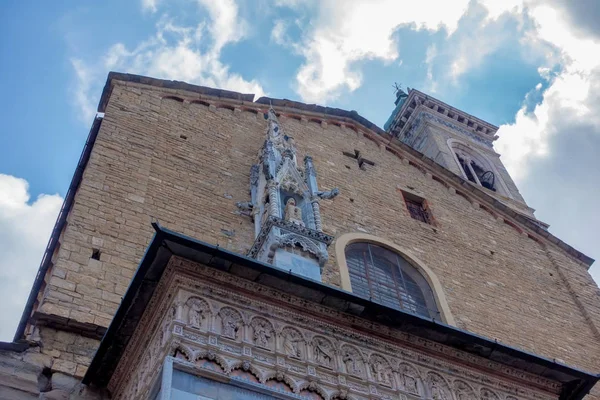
[285,206]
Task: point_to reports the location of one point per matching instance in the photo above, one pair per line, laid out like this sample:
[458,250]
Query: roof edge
[167,84]
[576,382]
[58,226]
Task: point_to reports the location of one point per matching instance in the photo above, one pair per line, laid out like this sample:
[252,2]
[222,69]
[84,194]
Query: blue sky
[529,66]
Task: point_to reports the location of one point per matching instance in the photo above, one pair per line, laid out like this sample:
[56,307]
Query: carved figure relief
[293,344]
[398,379]
[231,321]
[197,311]
[487,394]
[353,361]
[323,352]
[263,333]
[438,387]
[381,370]
[463,391]
[292,213]
[409,379]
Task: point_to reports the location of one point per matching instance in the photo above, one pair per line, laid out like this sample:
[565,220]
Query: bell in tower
[285,207]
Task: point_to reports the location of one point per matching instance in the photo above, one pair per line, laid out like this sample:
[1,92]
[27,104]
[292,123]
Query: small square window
[417,208]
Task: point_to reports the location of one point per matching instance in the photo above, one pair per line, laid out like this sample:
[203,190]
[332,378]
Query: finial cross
[359,159]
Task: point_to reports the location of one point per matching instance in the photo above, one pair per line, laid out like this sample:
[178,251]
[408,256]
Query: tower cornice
[418,103]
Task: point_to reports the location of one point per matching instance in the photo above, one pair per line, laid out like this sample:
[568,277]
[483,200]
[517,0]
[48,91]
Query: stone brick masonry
[186,165]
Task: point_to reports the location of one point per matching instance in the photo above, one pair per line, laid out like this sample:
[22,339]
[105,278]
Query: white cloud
[361,30]
[496,8]
[429,57]
[83,85]
[278,33]
[24,231]
[150,5]
[551,151]
[568,93]
[185,53]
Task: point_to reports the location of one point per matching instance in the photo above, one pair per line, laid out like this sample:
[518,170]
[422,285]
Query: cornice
[418,101]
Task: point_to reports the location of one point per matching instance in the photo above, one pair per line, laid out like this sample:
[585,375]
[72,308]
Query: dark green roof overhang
[166,244]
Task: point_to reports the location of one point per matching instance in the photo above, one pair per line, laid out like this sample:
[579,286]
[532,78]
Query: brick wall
[187,164]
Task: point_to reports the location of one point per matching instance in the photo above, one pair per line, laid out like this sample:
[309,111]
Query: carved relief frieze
[353,361]
[293,343]
[323,352]
[381,371]
[409,380]
[197,312]
[463,391]
[263,333]
[231,322]
[271,340]
[437,387]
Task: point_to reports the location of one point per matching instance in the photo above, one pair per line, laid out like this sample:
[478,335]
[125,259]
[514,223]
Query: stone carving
[438,387]
[197,311]
[381,370]
[192,345]
[426,116]
[328,195]
[263,332]
[246,365]
[408,379]
[292,213]
[278,174]
[246,206]
[308,245]
[289,184]
[254,175]
[463,391]
[231,321]
[353,361]
[487,394]
[323,352]
[293,343]
[309,168]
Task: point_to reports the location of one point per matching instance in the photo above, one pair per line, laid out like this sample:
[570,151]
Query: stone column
[317,215]
[273,200]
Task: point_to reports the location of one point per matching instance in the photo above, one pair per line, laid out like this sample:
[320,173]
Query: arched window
[475,167]
[389,279]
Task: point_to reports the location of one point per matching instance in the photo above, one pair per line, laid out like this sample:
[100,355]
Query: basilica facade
[217,246]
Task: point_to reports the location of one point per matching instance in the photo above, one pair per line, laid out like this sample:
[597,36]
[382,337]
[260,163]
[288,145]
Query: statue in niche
[408,379]
[351,360]
[262,332]
[487,394]
[197,311]
[292,213]
[323,352]
[381,371]
[439,389]
[463,391]
[231,322]
[291,343]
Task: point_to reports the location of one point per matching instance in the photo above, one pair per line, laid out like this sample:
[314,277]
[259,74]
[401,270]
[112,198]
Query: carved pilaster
[273,200]
[317,215]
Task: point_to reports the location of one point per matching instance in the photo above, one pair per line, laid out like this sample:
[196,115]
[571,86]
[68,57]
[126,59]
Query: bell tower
[455,140]
[285,206]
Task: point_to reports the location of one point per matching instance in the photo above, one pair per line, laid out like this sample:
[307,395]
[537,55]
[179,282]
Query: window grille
[387,278]
[417,208]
